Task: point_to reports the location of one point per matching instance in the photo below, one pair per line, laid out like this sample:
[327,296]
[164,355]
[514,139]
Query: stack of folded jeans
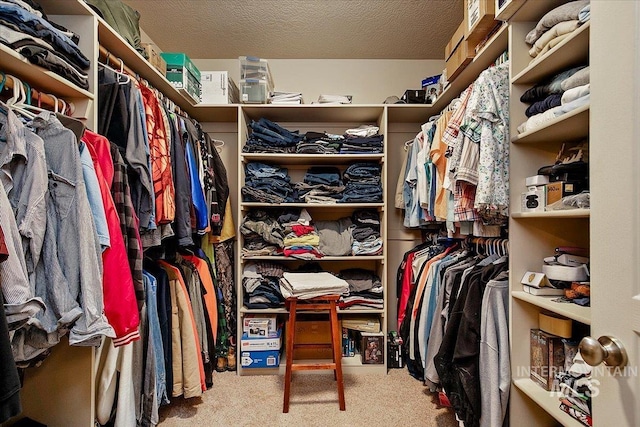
[267,184]
[366,232]
[269,137]
[320,143]
[261,283]
[26,29]
[363,184]
[365,289]
[262,232]
[321,184]
[362,145]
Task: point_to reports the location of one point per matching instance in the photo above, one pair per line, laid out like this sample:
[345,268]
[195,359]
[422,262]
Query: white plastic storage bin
[253,91]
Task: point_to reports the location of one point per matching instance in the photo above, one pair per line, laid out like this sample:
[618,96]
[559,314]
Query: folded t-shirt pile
[301,239]
[267,184]
[321,184]
[25,28]
[364,139]
[269,137]
[564,92]
[365,289]
[366,232]
[320,143]
[261,284]
[557,25]
[577,387]
[362,183]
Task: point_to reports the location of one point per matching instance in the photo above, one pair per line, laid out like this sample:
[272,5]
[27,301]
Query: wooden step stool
[323,303]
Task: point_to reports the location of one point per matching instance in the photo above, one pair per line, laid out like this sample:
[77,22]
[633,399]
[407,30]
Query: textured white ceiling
[302,29]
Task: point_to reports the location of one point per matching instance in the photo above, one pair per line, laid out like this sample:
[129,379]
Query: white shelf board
[571,213]
[546,401]
[246,310]
[573,125]
[487,56]
[303,159]
[316,113]
[324,258]
[572,51]
[409,113]
[570,310]
[39,78]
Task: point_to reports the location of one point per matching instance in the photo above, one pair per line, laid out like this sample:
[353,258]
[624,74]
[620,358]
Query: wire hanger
[218,144]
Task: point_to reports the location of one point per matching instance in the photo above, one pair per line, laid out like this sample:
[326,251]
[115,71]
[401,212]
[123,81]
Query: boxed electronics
[272,341]
[533,200]
[218,88]
[547,358]
[559,189]
[249,319]
[479,20]
[155,58]
[432,88]
[183,74]
[372,347]
[394,351]
[260,359]
[312,329]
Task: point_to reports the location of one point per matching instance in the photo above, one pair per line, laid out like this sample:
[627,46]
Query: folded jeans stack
[260,281]
[363,184]
[269,137]
[366,232]
[268,184]
[365,289]
[320,143]
[321,184]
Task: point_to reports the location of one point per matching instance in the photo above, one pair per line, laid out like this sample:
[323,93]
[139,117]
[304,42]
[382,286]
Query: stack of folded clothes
[557,25]
[363,184]
[564,92]
[25,28]
[320,143]
[261,283]
[263,234]
[365,289]
[366,233]
[577,388]
[311,285]
[335,236]
[301,239]
[321,184]
[267,184]
[269,137]
[362,140]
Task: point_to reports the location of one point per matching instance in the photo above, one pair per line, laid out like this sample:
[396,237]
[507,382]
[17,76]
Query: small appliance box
[533,200]
[182,73]
[479,19]
[547,358]
[249,321]
[218,88]
[272,341]
[559,189]
[372,348]
[260,359]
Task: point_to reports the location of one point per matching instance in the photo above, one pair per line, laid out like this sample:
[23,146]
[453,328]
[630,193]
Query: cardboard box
[547,358]
[270,342]
[479,19]
[459,59]
[218,88]
[555,324]
[260,359]
[154,58]
[258,328]
[559,189]
[316,330]
[183,74]
[372,348]
[247,321]
[533,200]
[457,37]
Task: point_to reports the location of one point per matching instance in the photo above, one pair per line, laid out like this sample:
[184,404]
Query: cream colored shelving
[570,213]
[572,311]
[547,401]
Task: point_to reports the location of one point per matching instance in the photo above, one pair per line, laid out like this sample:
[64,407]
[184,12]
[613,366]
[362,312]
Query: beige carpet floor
[390,400]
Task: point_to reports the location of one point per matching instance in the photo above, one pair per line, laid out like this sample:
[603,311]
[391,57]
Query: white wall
[369,81]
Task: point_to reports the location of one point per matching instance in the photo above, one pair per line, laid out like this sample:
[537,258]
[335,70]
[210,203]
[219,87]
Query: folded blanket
[566,12]
[579,78]
[575,93]
[560,29]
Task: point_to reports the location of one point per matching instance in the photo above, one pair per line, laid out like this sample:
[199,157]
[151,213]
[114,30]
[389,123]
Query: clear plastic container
[252,67]
[253,91]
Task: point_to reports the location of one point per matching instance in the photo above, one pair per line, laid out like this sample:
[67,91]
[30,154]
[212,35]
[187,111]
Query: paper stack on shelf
[285,98]
[334,99]
[311,285]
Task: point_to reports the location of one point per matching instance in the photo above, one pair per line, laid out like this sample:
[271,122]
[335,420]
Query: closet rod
[115,61]
[38,96]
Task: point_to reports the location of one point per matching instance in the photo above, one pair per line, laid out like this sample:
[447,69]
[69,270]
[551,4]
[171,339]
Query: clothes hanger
[17,99]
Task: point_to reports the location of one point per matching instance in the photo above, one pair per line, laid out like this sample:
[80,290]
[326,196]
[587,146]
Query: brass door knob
[605,349]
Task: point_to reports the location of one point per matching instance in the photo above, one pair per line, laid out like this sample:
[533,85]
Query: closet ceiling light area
[301,29]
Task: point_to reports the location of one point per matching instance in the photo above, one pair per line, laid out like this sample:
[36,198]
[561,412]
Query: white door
[615,208]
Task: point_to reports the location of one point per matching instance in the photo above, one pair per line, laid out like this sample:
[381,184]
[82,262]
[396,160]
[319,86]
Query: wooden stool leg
[337,354]
[291,328]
